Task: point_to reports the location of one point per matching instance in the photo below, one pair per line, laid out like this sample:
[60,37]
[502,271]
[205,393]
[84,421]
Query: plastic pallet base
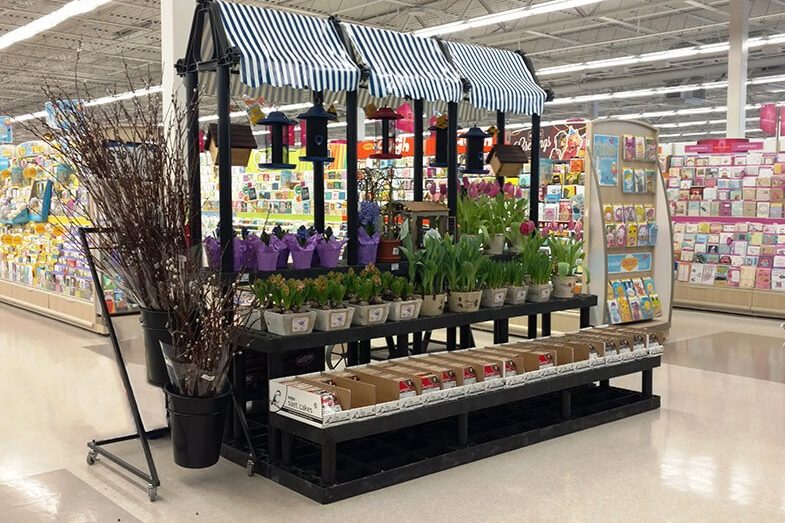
[375,462]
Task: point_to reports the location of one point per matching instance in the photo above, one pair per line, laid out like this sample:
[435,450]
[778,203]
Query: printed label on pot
[407,311]
[300,324]
[521,295]
[395,251]
[499,295]
[376,314]
[338,319]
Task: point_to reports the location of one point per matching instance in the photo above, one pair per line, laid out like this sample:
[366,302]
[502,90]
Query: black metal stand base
[389,458]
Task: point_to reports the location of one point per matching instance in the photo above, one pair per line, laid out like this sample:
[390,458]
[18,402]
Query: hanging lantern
[386,128]
[475,157]
[439,133]
[316,149]
[276,141]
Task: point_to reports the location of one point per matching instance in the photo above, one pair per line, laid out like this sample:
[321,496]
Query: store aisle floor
[713,452]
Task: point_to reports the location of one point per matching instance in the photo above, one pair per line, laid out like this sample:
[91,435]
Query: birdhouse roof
[508,153]
[423,207]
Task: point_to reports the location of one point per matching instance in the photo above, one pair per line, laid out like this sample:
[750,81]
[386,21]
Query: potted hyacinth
[262,294]
[567,254]
[399,293]
[463,263]
[328,296]
[288,314]
[540,267]
[260,253]
[328,247]
[279,240]
[495,292]
[515,279]
[368,234]
[302,246]
[366,291]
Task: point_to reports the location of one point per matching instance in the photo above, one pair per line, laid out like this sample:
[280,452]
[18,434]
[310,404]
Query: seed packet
[647,310]
[649,212]
[613,311]
[610,235]
[618,213]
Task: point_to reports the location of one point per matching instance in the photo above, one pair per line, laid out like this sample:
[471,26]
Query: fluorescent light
[124,96]
[504,16]
[30,116]
[46,22]
[671,54]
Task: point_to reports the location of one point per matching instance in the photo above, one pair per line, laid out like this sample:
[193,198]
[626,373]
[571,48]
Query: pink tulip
[443,188]
[508,189]
[493,190]
[473,191]
[528,227]
[519,193]
[466,182]
[432,189]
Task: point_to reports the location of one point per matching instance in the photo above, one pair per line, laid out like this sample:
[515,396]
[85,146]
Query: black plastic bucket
[197,426]
[155,329]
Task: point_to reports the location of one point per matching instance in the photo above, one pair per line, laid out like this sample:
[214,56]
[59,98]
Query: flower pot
[495,244]
[328,256]
[389,251]
[516,295]
[404,310]
[255,320]
[333,319]
[266,260]
[155,327]
[539,292]
[493,297]
[366,253]
[197,427]
[283,258]
[289,323]
[302,259]
[564,286]
[464,301]
[370,314]
[433,305]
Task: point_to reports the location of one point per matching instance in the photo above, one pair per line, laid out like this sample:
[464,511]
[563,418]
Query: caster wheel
[92,457]
[152,492]
[249,466]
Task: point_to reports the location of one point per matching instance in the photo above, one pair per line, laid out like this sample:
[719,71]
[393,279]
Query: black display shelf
[271,343]
[334,463]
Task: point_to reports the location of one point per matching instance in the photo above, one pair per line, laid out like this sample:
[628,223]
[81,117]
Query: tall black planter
[197,427]
[155,329]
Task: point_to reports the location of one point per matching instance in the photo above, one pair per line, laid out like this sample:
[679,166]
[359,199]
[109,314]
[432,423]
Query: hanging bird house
[276,141]
[439,133]
[386,129]
[506,159]
[316,146]
[475,157]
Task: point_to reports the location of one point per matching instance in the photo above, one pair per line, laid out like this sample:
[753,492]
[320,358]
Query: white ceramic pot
[370,314]
[255,320]
[493,297]
[290,323]
[564,286]
[333,319]
[516,295]
[433,305]
[495,244]
[404,310]
[539,292]
[464,301]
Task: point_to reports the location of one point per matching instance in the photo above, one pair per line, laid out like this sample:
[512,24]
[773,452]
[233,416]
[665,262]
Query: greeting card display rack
[629,249]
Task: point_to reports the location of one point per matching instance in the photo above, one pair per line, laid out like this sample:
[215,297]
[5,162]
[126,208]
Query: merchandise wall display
[629,248]
[728,228]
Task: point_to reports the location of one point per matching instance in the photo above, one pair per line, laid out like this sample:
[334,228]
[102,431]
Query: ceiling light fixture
[504,16]
[46,22]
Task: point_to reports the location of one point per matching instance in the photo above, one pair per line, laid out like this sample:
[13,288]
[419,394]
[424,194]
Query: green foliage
[464,262]
[567,251]
[514,274]
[289,295]
[495,274]
[261,289]
[472,216]
[430,266]
[540,267]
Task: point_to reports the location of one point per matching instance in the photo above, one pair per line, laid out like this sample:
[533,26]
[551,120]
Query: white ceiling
[130,30]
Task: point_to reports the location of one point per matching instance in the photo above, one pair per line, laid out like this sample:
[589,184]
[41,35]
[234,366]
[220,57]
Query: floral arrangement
[328,291]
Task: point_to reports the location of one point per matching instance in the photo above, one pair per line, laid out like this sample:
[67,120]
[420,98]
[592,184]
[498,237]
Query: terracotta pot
[464,301]
[539,292]
[389,251]
[564,286]
[433,305]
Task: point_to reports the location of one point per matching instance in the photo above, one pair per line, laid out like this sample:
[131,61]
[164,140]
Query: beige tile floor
[713,452]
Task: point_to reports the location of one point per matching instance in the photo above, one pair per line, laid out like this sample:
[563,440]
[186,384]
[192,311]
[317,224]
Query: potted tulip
[515,278]
[287,315]
[429,276]
[568,255]
[472,218]
[369,308]
[463,263]
[400,295]
[328,296]
[540,267]
[495,292]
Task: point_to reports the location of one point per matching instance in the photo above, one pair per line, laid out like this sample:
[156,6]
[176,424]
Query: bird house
[386,129]
[506,159]
[422,216]
[242,143]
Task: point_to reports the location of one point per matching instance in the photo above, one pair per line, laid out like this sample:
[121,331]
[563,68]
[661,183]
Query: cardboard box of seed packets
[318,403]
[540,361]
[571,357]
[624,342]
[452,376]
[520,366]
[590,350]
[489,370]
[427,382]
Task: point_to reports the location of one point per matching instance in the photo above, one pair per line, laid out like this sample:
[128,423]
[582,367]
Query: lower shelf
[756,302]
[385,459]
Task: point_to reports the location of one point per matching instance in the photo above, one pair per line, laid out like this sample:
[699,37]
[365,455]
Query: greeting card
[629,148]
[640,148]
[656,305]
[628,180]
[632,234]
[613,311]
[647,309]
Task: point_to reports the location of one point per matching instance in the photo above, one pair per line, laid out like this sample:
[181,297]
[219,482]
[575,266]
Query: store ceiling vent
[697,97]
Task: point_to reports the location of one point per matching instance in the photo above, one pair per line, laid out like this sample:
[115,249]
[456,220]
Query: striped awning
[405,65]
[284,49]
[499,79]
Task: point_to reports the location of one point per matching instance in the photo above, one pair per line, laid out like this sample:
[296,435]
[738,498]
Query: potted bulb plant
[567,254]
[287,315]
[463,264]
[328,247]
[302,246]
[403,304]
[495,292]
[540,267]
[429,275]
[279,240]
[472,218]
[366,290]
[515,278]
[262,295]
[328,296]
[368,234]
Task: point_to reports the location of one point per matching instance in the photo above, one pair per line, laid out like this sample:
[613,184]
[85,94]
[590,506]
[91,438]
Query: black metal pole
[500,138]
[191,83]
[418,151]
[318,181]
[534,178]
[452,158]
[225,170]
[352,198]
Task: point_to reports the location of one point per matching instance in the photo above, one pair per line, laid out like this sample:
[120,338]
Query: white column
[176,17]
[737,67]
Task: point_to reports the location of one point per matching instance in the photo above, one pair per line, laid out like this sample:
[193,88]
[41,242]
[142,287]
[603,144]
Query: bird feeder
[386,128]
[439,133]
[276,141]
[475,157]
[316,146]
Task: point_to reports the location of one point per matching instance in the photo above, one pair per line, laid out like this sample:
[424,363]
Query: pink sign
[768,119]
[724,145]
